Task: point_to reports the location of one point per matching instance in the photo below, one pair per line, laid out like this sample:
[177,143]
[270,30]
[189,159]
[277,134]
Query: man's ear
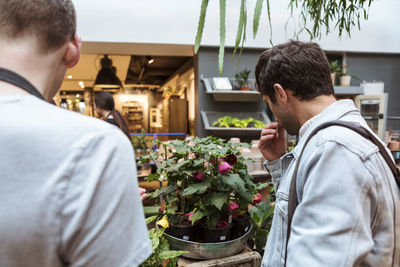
[73,52]
[280,93]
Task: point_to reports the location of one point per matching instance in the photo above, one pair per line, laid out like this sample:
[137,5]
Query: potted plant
[345,78]
[205,175]
[242,79]
[335,68]
[177,168]
[224,180]
[228,121]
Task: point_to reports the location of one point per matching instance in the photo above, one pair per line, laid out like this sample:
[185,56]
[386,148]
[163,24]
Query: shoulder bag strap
[17,80]
[293,202]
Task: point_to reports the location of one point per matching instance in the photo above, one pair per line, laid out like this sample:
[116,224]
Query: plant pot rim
[215,228]
[202,243]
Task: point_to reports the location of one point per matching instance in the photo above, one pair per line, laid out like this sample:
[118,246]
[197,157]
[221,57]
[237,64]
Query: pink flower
[224,167]
[231,159]
[162,207]
[212,160]
[198,176]
[235,215]
[222,224]
[233,206]
[257,199]
[189,216]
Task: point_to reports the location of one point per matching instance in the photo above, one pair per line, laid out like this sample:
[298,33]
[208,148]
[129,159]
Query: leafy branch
[316,18]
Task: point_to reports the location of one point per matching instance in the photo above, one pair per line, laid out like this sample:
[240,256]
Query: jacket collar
[334,111]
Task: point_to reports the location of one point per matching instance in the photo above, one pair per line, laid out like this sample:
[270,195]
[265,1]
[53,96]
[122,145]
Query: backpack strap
[355,126]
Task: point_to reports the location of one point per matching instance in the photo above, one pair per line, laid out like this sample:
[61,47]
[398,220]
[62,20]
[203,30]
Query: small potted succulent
[242,79]
[334,66]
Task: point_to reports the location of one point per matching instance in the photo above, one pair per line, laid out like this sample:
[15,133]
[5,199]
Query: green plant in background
[242,78]
[335,66]
[140,143]
[161,253]
[261,216]
[228,121]
[315,18]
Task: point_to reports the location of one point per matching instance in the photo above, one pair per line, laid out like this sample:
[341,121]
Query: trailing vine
[316,17]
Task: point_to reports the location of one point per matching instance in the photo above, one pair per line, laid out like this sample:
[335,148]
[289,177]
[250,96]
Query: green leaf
[197,215]
[239,33]
[234,181]
[261,240]
[269,21]
[164,190]
[222,13]
[200,27]
[217,200]
[165,255]
[151,219]
[260,213]
[198,188]
[153,176]
[256,18]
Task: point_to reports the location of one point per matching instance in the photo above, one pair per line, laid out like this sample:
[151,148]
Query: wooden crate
[246,258]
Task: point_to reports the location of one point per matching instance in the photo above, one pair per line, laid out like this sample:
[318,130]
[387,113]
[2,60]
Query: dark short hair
[297,66]
[104,100]
[52,22]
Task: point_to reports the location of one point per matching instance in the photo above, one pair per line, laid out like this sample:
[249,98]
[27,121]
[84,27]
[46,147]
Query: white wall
[175,22]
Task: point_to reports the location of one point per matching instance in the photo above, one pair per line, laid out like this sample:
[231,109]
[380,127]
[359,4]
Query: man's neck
[23,59]
[306,109]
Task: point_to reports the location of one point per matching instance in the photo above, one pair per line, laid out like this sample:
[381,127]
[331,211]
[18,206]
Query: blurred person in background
[104,106]
[67,197]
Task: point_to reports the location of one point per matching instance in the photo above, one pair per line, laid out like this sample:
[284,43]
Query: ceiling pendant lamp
[106,77]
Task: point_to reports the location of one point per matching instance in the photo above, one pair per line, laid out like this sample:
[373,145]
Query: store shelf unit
[209,117]
[133,113]
[348,90]
[231,95]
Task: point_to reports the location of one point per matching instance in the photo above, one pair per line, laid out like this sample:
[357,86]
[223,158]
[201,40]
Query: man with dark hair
[69,193]
[348,202]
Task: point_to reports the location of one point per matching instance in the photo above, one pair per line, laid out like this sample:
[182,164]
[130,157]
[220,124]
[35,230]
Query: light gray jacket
[349,203]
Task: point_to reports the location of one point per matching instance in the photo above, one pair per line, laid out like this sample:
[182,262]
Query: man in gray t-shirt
[69,193]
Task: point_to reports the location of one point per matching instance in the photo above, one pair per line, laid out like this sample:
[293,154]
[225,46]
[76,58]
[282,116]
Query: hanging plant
[316,18]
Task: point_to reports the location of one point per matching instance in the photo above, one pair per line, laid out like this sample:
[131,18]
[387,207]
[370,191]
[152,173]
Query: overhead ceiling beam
[137,49]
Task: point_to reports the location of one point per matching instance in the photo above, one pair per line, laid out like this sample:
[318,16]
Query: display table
[246,258]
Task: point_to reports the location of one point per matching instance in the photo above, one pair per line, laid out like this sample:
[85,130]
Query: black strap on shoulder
[18,80]
[293,201]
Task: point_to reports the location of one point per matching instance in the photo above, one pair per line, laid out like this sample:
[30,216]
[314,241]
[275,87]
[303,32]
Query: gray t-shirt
[68,190]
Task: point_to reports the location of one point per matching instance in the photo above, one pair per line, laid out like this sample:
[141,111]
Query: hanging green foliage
[316,17]
[222,13]
[200,27]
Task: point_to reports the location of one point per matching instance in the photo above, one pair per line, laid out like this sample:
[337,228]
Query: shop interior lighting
[69,76]
[107,77]
[150,60]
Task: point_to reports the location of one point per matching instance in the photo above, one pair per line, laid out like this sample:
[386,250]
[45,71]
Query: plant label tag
[222,238]
[185,237]
[247,228]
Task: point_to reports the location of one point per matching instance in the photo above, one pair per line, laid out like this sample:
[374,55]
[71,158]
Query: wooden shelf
[133,113]
[231,95]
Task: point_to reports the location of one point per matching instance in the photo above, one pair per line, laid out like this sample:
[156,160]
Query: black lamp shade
[107,74]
